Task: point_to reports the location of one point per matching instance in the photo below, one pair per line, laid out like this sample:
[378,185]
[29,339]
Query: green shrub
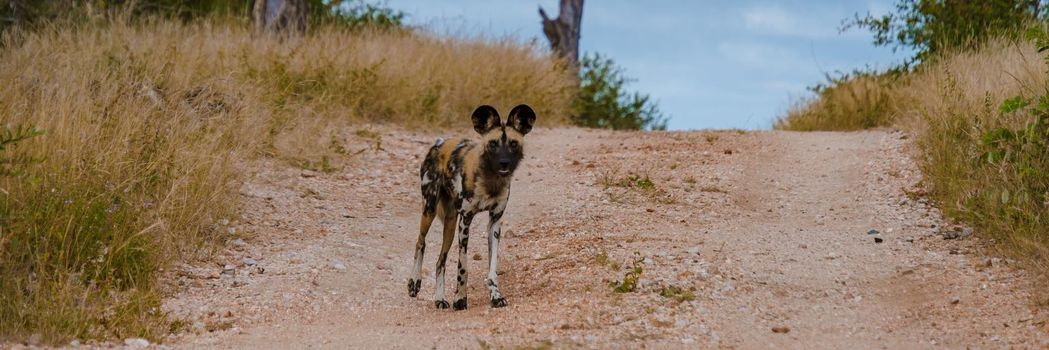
[356,14]
[603,101]
[934,27]
[993,172]
[987,159]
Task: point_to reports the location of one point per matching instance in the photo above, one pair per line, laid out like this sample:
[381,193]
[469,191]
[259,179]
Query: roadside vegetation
[633,186]
[123,136]
[603,100]
[976,97]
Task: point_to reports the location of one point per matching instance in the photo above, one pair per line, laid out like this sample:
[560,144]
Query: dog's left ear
[521,119]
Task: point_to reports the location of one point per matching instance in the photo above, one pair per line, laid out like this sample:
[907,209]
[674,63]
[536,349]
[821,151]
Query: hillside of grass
[980,117]
[124,143]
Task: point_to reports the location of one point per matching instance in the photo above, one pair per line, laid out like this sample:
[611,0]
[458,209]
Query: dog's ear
[521,119]
[485,118]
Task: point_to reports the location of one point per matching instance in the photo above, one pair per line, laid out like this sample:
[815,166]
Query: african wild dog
[462,177]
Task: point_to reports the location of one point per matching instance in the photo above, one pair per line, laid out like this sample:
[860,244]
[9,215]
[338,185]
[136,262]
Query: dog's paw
[441,304]
[413,287]
[460,304]
[499,302]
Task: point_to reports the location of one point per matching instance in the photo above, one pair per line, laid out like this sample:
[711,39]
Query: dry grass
[997,185]
[985,160]
[632,185]
[855,104]
[145,127]
[712,189]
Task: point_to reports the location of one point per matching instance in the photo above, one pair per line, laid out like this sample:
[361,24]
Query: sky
[708,64]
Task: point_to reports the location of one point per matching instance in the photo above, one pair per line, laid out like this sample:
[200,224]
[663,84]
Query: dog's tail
[431,159]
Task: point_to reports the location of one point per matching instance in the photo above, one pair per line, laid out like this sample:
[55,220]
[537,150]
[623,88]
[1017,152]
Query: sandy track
[764,229]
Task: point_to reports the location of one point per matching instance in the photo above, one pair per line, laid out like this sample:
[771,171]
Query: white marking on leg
[494,229]
[440,284]
[464,238]
[418,266]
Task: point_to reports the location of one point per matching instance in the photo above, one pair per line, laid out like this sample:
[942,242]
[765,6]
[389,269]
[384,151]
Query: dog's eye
[513,144]
[493,143]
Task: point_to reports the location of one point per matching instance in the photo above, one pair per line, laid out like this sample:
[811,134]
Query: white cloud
[708,63]
[772,19]
[759,55]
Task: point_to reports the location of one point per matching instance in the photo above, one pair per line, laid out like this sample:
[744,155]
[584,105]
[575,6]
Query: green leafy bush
[932,27]
[603,101]
[990,168]
[356,14]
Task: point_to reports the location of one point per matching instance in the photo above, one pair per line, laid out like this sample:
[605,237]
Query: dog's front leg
[495,224]
[465,218]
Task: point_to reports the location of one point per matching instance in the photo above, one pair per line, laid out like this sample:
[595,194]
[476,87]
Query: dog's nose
[504,164]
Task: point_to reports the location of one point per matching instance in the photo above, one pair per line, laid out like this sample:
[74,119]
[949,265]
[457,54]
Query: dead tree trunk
[563,31]
[279,16]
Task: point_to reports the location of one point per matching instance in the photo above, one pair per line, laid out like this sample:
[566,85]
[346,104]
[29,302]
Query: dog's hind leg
[495,223]
[448,217]
[429,212]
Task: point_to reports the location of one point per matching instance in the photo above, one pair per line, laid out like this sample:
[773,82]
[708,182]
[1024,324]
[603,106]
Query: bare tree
[281,16]
[563,31]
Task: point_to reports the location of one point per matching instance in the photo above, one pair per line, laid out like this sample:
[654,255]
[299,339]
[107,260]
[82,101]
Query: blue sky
[709,64]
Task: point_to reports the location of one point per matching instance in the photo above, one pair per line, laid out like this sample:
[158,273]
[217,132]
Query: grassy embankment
[980,121]
[146,126]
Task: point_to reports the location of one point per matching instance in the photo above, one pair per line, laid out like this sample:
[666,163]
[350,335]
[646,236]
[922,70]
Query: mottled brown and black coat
[462,177]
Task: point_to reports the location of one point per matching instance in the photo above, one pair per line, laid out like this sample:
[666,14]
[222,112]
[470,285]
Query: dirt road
[747,240]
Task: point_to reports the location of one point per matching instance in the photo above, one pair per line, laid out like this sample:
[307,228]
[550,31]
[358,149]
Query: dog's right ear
[485,118]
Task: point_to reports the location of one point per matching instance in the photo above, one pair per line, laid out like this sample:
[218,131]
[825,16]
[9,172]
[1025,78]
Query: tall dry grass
[979,117]
[146,126]
[986,161]
[850,104]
